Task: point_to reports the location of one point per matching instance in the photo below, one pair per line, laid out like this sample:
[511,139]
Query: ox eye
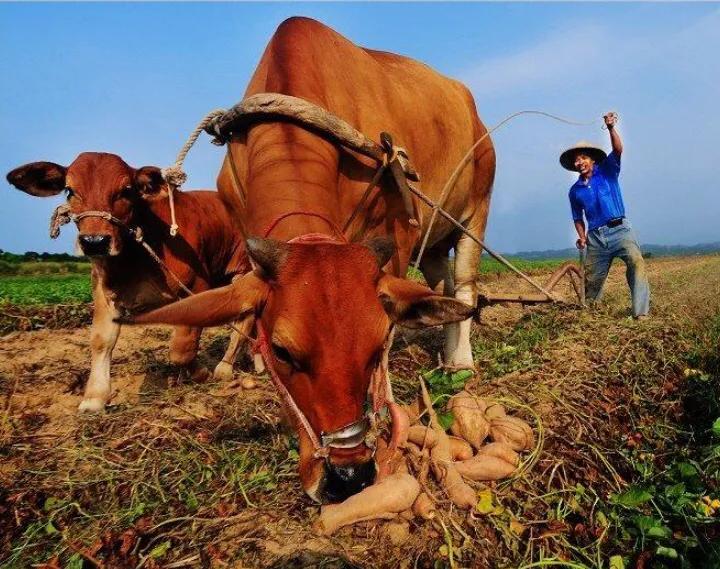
[126,192]
[283,355]
[69,192]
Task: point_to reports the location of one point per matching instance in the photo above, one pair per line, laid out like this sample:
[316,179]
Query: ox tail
[210,308]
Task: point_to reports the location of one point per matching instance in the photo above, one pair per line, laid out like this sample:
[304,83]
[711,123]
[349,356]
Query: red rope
[327,220]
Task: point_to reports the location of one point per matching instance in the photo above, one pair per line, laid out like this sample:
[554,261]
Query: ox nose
[95,245]
[341,482]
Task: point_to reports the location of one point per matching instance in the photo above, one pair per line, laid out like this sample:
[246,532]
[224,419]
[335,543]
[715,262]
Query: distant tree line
[32,256]
[32,262]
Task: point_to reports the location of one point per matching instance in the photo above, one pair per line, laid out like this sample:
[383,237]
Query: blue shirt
[600,197]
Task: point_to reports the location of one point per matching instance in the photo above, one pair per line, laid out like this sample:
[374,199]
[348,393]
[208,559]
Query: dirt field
[178,475]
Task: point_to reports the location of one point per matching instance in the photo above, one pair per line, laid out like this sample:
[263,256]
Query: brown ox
[327,307]
[125,278]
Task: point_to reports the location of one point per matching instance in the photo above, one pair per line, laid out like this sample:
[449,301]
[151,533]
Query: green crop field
[41,289]
[43,283]
[489,266]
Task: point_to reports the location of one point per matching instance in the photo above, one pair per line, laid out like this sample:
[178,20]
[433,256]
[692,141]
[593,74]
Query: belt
[615,222]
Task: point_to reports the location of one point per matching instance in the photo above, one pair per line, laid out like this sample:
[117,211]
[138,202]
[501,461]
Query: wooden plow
[573,272]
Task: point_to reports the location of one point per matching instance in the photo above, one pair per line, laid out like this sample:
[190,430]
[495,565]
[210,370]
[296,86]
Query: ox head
[326,310]
[96,182]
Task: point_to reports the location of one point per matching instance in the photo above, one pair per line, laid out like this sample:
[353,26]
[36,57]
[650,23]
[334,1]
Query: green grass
[28,290]
[489,266]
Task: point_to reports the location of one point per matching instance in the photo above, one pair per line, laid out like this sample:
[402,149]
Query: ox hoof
[199,375]
[223,372]
[92,405]
[259,364]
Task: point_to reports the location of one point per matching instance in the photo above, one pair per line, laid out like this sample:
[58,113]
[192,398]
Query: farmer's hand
[611,119]
[580,243]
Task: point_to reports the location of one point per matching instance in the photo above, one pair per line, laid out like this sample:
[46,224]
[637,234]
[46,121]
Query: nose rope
[262,346]
[325,442]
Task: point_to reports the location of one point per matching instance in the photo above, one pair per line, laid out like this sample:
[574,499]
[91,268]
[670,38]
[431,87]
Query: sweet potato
[460,494]
[484,467]
[413,410]
[513,431]
[502,451]
[400,425]
[422,436]
[460,449]
[388,460]
[494,411]
[469,420]
[424,507]
[384,500]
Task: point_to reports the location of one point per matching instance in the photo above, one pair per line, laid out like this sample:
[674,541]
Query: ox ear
[41,179]
[416,306]
[267,255]
[383,248]
[149,183]
[210,308]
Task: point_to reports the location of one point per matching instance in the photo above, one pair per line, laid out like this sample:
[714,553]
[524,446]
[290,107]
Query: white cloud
[557,59]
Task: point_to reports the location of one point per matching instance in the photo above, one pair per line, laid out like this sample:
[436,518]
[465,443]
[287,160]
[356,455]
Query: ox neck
[283,168]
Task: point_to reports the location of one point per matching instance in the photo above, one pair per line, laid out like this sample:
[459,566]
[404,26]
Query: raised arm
[610,122]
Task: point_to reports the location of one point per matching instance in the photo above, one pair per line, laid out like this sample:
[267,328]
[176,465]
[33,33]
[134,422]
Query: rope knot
[60,217]
[174,175]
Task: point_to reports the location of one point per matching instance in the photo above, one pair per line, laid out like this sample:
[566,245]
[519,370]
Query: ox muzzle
[347,468]
[95,245]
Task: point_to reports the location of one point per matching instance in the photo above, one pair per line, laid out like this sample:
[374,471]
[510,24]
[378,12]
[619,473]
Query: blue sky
[134,79]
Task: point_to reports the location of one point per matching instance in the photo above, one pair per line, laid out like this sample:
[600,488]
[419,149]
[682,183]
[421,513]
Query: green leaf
[617,562]
[159,550]
[50,528]
[52,503]
[485,503]
[191,501]
[601,520]
[651,527]
[446,419]
[686,470]
[669,552]
[433,375]
[716,428]
[75,562]
[675,491]
[633,497]
[459,378]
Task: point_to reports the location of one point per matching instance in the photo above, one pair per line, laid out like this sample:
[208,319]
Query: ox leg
[458,351]
[436,272]
[104,333]
[183,351]
[238,336]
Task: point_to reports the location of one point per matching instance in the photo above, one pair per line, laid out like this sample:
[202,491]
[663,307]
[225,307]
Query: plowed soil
[185,475]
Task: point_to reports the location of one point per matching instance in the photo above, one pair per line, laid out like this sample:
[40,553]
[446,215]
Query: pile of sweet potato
[456,460]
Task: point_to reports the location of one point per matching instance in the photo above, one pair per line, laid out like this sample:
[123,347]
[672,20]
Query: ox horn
[383,248]
[268,254]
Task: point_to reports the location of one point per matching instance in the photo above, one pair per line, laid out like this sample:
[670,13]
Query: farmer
[597,194]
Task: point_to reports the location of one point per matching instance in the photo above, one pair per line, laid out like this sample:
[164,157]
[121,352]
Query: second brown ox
[328,307]
[125,278]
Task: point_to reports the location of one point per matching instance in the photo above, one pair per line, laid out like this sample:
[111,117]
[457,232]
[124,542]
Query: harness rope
[464,161]
[218,124]
[175,175]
